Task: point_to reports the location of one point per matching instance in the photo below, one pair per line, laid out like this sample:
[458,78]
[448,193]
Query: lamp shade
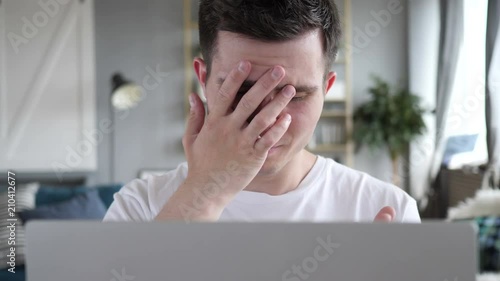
[125,94]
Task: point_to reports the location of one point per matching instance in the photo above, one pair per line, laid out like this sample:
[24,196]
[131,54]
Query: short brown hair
[269,21]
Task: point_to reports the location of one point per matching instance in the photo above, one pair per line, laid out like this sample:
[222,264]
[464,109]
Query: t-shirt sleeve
[411,214]
[130,204]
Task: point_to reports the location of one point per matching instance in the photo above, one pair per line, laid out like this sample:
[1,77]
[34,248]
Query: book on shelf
[330,134]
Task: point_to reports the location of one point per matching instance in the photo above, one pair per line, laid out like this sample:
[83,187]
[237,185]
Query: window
[466,115]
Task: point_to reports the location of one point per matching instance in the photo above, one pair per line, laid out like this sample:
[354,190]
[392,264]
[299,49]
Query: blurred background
[93,94]
[95,91]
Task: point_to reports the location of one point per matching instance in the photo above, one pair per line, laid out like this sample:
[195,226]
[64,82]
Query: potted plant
[390,120]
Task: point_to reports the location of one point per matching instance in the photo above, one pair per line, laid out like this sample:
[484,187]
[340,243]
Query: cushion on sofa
[49,194]
[106,192]
[87,205]
[18,275]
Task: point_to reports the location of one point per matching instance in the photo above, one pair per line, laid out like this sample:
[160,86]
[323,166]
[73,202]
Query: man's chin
[273,161]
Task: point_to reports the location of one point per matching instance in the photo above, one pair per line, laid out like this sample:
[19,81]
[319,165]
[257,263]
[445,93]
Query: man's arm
[411,214]
[130,203]
[226,145]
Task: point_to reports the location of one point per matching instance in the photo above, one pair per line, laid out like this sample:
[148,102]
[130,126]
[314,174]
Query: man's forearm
[191,204]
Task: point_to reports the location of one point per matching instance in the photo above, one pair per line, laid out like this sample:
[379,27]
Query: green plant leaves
[392,118]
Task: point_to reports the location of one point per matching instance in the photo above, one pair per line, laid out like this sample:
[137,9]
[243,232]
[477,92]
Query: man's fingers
[195,120]
[386,214]
[254,97]
[268,115]
[274,134]
[226,94]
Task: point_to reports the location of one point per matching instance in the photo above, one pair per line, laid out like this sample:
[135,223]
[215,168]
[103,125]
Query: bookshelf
[191,40]
[333,135]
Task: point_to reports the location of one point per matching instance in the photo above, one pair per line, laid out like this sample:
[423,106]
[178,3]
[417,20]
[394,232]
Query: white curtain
[492,174]
[423,24]
[436,36]
[451,40]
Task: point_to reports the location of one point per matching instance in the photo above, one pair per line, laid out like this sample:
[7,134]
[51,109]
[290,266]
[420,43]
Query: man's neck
[286,179]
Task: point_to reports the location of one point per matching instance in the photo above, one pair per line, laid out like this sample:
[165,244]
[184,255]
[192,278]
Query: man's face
[303,61]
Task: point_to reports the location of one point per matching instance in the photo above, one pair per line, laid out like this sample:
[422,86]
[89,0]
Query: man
[265,74]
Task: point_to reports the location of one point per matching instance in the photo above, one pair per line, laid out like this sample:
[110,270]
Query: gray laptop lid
[60,251]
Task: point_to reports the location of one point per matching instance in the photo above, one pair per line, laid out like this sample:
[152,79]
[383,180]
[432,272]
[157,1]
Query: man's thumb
[196,118]
[386,214]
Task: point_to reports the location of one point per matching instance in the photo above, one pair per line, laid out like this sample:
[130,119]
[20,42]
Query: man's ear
[200,68]
[330,80]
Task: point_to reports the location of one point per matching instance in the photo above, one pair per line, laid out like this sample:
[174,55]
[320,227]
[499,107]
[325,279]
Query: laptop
[150,251]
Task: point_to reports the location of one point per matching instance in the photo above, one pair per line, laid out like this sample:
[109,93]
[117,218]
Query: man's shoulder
[153,187]
[367,194]
[142,199]
[355,181]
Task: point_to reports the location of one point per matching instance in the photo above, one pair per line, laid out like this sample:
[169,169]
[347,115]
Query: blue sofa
[47,195]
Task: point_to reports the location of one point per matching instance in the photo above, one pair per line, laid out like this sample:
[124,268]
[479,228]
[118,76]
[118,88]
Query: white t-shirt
[329,192]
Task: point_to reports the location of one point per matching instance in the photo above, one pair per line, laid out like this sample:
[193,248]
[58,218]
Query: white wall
[135,37]
[383,54]
[423,55]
